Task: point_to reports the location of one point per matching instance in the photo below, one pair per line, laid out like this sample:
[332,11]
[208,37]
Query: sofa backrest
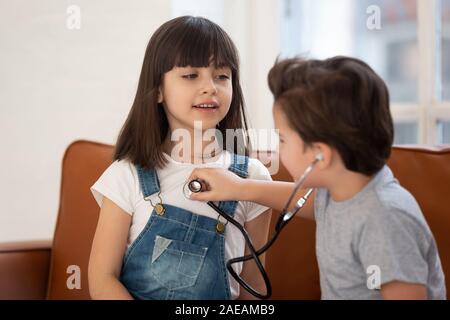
[82,165]
[291,262]
[423,171]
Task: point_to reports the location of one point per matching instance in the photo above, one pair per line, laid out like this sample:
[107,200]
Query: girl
[151,241]
[372,240]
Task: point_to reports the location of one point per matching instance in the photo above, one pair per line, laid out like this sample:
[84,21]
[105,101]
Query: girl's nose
[209,87]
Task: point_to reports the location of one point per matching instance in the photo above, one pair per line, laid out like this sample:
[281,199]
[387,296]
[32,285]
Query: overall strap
[148,180]
[239,166]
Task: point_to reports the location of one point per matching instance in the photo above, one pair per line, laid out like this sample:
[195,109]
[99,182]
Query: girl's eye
[190,76]
[224,77]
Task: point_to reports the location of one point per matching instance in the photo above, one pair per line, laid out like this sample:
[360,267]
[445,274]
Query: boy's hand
[222,185]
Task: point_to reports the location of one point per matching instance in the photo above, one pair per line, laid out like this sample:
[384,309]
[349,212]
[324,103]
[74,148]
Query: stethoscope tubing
[283,219]
[253,255]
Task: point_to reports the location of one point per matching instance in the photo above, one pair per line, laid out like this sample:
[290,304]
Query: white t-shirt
[120,183]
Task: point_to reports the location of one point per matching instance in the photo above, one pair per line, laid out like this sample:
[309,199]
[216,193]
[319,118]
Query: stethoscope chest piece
[195,186]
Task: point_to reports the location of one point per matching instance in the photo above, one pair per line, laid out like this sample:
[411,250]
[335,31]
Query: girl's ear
[160,95]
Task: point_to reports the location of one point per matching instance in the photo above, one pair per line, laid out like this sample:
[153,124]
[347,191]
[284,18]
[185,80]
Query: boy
[366,222]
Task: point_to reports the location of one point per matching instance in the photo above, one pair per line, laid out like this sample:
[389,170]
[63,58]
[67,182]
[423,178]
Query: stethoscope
[285,216]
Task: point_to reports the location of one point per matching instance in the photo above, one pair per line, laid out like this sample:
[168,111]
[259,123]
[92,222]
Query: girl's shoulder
[119,182]
[123,168]
[257,170]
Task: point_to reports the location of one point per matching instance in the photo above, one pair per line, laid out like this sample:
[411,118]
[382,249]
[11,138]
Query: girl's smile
[208,106]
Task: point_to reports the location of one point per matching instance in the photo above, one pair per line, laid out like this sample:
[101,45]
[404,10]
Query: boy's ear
[327,154]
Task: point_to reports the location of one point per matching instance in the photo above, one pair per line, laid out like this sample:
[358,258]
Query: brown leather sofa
[39,270]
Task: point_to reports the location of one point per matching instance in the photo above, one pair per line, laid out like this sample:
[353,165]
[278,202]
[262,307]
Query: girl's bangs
[199,43]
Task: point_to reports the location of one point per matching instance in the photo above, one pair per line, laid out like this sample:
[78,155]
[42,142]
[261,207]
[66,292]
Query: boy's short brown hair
[339,101]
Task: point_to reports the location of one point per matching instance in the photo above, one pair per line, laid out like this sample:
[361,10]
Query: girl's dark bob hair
[180,42]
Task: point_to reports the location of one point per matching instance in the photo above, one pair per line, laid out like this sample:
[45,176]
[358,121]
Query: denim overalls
[179,254]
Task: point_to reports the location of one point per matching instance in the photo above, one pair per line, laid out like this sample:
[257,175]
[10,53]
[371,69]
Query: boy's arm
[397,290]
[224,185]
[275,194]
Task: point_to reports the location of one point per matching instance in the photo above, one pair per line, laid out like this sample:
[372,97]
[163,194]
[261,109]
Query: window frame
[429,109]
[260,41]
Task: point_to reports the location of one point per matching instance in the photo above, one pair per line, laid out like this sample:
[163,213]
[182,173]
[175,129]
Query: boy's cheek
[292,159]
[287,161]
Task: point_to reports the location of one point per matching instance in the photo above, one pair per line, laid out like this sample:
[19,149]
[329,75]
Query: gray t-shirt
[378,236]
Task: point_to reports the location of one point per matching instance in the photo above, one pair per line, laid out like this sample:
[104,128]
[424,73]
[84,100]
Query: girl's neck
[192,151]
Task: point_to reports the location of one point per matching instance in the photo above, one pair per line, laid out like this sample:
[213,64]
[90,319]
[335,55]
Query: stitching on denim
[197,272]
[142,182]
[186,225]
[201,262]
[188,253]
[191,229]
[223,267]
[153,181]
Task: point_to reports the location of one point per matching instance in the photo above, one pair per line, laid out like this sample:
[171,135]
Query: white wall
[59,85]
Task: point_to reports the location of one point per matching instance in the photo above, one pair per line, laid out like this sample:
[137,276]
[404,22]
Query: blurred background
[69,71]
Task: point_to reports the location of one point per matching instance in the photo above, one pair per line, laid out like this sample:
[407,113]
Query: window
[445,44]
[444,131]
[443,83]
[405,132]
[386,37]
[406,41]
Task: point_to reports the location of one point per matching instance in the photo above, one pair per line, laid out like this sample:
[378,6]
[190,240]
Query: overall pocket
[176,264]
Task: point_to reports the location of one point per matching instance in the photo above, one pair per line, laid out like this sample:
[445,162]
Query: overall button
[220,227]
[159,208]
